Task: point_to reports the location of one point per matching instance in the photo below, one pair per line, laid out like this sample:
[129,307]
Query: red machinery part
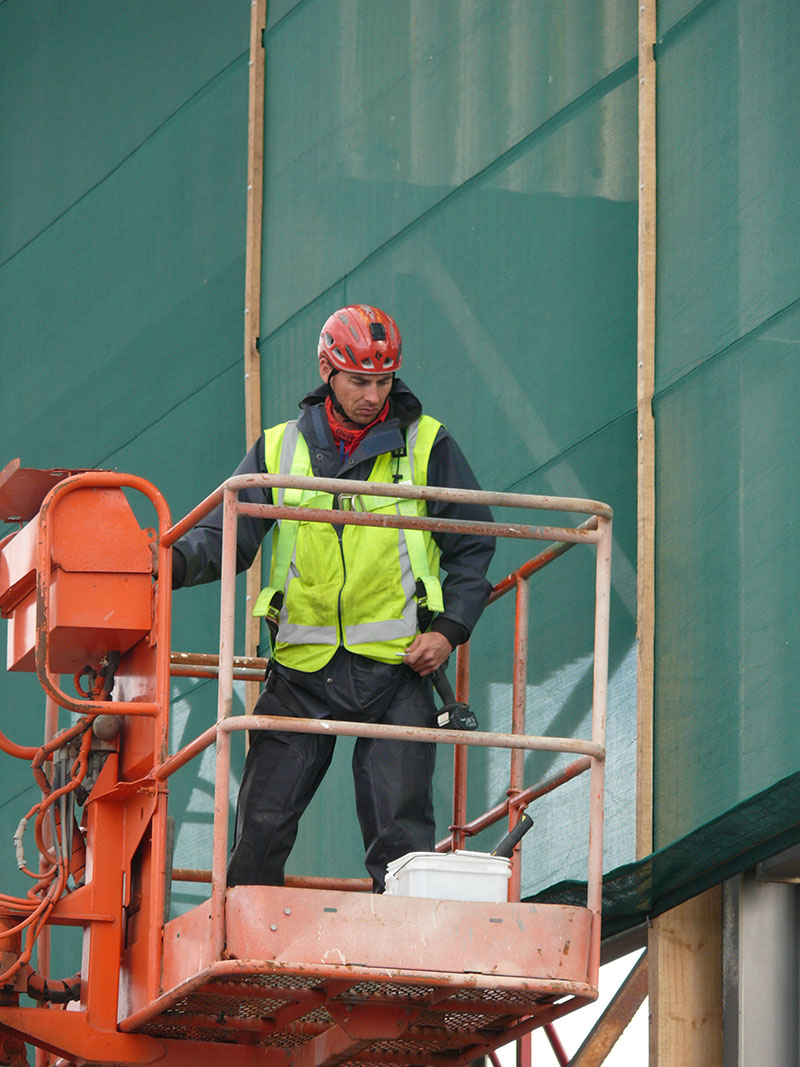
[100,589]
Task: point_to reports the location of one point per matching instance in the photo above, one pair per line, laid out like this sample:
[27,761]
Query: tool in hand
[455,714]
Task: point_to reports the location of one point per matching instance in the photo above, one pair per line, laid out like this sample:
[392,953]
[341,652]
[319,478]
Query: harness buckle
[350,499]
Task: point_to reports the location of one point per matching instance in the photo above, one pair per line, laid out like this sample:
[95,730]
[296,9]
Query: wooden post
[685,944]
[645,378]
[686,984]
[252,305]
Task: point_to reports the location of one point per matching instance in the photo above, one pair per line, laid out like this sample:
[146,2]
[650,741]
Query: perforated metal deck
[434,1024]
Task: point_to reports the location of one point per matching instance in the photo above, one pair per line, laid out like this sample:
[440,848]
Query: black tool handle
[441,684]
[506,846]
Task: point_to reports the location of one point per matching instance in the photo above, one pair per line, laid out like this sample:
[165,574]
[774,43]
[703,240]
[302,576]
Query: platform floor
[430,1024]
[322,977]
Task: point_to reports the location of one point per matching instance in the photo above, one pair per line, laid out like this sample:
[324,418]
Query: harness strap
[270,599]
[431,597]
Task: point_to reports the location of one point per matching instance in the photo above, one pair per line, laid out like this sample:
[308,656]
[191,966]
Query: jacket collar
[386,436]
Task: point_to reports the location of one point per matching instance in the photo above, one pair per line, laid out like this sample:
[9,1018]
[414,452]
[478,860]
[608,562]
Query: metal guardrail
[595,531]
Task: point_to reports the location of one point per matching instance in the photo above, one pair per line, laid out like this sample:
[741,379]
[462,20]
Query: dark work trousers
[393,779]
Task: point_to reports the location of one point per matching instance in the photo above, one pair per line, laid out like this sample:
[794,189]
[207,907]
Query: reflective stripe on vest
[370,609]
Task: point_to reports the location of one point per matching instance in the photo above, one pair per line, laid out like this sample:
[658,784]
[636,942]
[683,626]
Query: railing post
[224,708]
[597,773]
[458,836]
[159,866]
[519,695]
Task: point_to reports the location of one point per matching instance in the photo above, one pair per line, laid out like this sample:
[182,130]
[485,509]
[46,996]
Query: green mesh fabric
[469,165]
[727,446]
[727,751]
[122,230]
[759,827]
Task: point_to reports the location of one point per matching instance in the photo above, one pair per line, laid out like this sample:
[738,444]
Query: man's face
[361,395]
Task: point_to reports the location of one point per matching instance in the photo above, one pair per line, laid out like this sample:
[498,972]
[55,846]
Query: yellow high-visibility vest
[354,586]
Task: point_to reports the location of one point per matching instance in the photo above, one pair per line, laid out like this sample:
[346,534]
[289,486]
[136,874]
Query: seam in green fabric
[16,796]
[236,365]
[118,166]
[762,327]
[606,85]
[570,448]
[680,28]
[286,15]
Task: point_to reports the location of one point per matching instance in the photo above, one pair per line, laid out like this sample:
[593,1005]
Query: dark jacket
[464,557]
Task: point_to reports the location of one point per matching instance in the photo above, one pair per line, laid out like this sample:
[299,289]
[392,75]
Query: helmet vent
[378,331]
[349,351]
[367,364]
[328,339]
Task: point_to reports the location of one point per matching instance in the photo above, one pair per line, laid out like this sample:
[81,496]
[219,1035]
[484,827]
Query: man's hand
[154,554]
[427,652]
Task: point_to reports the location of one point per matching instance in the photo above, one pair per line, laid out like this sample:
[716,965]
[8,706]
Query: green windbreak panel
[520,295]
[559,680]
[761,826]
[375,112]
[727,444]
[279,9]
[123,307]
[84,85]
[125,155]
[727,620]
[516,297]
[469,165]
[728,159]
[678,13]
[514,301]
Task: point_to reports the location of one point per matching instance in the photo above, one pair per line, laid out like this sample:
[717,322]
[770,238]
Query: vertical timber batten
[684,944]
[645,387]
[645,463]
[252,314]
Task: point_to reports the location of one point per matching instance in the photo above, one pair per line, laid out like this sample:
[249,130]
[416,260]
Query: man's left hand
[427,652]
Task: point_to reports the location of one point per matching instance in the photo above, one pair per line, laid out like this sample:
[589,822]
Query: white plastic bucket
[450,876]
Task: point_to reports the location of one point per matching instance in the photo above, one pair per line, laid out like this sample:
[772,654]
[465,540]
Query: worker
[358,615]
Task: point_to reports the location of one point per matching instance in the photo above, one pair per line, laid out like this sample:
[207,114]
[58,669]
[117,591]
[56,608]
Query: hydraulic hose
[18,751]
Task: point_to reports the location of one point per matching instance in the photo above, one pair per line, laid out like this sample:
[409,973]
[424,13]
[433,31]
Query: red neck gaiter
[348,440]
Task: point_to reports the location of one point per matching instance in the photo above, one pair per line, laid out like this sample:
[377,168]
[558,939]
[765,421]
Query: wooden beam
[686,984]
[252,304]
[611,1024]
[646,318]
[685,944]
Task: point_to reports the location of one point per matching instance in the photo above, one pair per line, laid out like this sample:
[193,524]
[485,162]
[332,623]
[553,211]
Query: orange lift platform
[320,971]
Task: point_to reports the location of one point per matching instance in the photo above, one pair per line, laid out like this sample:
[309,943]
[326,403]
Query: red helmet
[361,339]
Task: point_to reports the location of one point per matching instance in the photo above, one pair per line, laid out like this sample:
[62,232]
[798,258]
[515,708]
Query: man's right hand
[427,652]
[154,554]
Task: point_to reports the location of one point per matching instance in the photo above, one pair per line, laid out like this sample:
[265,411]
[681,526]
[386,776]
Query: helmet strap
[337,407]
